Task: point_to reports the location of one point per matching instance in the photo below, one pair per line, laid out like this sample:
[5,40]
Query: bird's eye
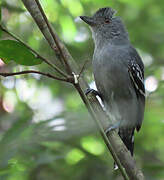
[107,21]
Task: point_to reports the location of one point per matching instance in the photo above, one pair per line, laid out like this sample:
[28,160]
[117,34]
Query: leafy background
[46,132]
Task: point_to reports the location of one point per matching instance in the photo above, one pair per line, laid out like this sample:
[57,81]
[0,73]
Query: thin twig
[35,72]
[38,55]
[83,67]
[68,68]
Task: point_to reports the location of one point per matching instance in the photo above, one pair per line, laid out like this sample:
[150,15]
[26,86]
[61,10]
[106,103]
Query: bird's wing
[137,78]
[136,73]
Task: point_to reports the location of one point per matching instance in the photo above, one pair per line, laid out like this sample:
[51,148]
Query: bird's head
[105,25]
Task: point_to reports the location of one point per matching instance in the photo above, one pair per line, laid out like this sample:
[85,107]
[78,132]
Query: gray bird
[119,74]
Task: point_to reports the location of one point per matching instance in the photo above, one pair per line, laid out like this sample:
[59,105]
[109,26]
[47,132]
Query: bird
[118,73]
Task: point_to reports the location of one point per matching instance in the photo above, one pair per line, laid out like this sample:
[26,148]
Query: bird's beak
[89,20]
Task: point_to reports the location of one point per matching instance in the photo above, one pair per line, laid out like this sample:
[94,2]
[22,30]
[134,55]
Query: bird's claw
[96,93]
[89,90]
[113,127]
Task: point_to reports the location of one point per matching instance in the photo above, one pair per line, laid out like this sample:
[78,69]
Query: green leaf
[13,50]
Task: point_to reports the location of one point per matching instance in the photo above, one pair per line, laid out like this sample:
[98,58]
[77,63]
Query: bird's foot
[112,127]
[96,93]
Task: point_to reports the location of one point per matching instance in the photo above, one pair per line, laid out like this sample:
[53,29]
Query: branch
[55,38]
[102,122]
[117,146]
[92,104]
[83,68]
[36,72]
[38,55]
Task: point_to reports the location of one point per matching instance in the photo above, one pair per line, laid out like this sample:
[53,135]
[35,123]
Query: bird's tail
[127,136]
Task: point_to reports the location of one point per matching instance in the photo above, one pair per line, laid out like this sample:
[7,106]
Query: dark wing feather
[136,73]
[137,78]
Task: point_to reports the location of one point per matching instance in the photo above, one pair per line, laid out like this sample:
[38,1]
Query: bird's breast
[111,74]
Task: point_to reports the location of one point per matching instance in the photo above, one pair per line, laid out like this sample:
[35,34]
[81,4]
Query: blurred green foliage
[9,49]
[46,132]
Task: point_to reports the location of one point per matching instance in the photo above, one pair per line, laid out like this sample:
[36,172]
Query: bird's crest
[105,12]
